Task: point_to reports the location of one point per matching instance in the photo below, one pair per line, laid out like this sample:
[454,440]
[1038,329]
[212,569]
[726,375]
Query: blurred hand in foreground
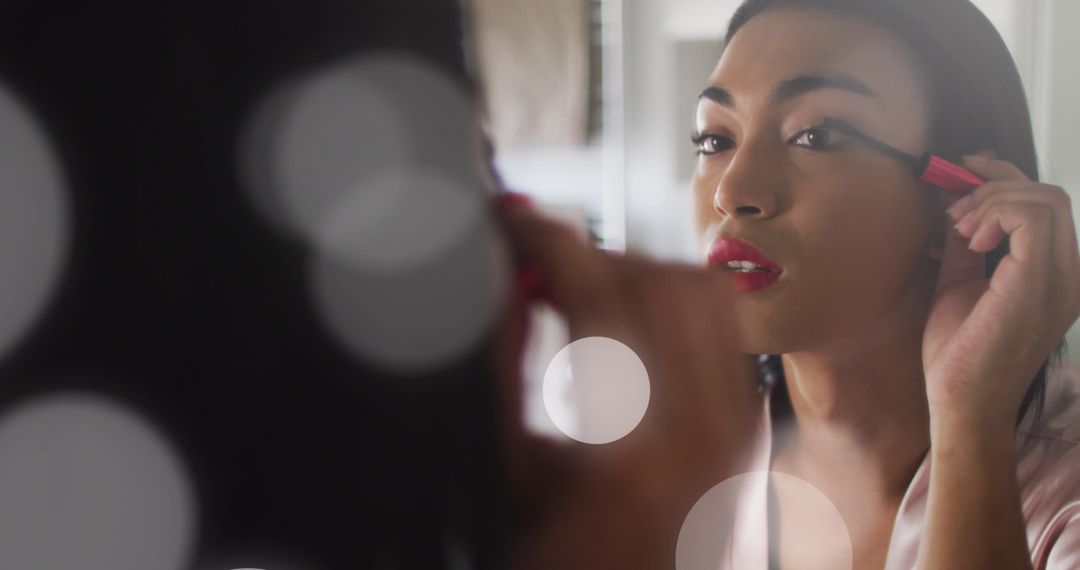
[621,505]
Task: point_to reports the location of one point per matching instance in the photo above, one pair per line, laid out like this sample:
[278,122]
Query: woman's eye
[819,138]
[711,144]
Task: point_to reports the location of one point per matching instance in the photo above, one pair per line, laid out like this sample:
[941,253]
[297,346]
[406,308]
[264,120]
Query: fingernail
[963,223]
[960,208]
[976,158]
[514,200]
[530,283]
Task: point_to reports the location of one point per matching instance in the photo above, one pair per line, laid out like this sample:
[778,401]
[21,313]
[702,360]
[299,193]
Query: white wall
[1057,105]
[671,47]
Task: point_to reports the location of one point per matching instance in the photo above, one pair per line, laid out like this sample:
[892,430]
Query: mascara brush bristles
[843,127]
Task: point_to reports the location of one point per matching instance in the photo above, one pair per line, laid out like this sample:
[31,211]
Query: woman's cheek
[857,245]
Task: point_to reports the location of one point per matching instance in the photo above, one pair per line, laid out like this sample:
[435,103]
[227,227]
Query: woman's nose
[749,188]
[746,210]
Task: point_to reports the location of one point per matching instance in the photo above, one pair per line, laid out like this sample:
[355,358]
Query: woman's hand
[621,505]
[985,339]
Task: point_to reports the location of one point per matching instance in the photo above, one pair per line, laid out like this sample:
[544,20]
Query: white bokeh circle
[34,220]
[423,308]
[399,219]
[315,139]
[372,162]
[596,390]
[262,557]
[85,483]
[728,527]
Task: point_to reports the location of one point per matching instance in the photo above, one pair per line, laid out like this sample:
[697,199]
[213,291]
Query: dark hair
[976,98]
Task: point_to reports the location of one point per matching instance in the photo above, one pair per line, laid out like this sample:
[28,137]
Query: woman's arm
[973,517]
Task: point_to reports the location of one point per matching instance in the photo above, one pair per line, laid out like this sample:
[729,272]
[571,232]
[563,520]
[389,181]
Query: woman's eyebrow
[794,87]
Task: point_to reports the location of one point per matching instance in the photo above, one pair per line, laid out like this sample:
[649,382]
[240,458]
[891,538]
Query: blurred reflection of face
[852,228]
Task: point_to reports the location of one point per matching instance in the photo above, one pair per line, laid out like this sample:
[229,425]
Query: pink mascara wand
[930,168]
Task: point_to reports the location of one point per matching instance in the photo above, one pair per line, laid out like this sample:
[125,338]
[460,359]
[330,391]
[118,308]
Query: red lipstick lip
[724,250]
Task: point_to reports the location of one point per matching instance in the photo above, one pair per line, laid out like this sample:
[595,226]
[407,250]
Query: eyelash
[699,138]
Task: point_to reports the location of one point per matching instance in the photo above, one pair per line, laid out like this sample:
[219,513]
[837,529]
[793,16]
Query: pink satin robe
[1048,471]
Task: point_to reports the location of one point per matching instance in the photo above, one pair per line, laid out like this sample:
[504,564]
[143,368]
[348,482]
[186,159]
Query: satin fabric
[1048,472]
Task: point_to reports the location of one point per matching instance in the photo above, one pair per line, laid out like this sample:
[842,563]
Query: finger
[1055,198]
[966,204]
[959,264]
[576,275]
[506,364]
[727,378]
[689,310]
[1052,215]
[1028,225]
[993,169]
[535,465]
[692,307]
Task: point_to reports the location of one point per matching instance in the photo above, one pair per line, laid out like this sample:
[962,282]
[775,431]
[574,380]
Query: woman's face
[851,228]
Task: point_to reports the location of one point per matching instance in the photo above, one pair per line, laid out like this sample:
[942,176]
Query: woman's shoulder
[1048,470]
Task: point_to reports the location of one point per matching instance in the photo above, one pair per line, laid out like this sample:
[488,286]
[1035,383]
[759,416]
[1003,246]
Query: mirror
[591,103]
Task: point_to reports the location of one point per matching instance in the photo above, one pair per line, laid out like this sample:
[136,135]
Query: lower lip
[754,281]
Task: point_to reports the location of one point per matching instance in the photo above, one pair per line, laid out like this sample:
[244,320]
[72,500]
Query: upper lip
[724,250]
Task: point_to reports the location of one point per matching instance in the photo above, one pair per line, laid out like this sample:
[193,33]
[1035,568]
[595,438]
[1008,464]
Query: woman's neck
[860,410]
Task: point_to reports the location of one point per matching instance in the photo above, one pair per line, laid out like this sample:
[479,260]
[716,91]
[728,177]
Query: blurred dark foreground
[180,303]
